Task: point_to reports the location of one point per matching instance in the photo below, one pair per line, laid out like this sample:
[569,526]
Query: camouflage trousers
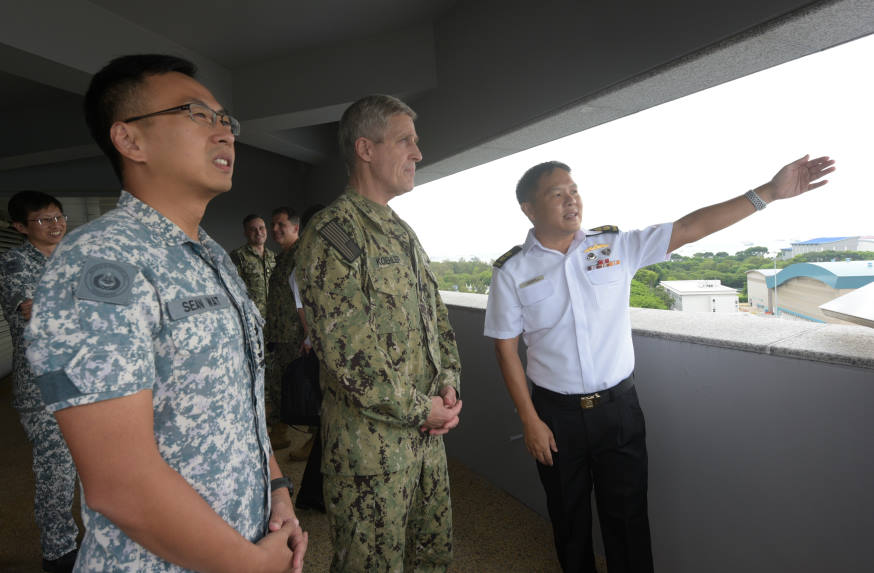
[280,355]
[55,480]
[394,522]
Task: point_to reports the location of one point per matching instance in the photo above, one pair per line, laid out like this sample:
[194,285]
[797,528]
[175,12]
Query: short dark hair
[528,183]
[113,92]
[250,217]
[23,203]
[367,117]
[292,215]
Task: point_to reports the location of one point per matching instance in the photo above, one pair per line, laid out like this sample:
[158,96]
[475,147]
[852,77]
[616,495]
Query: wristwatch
[281,482]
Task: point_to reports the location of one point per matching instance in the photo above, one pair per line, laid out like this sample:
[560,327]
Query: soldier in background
[150,353]
[41,219]
[283,331]
[389,366]
[254,261]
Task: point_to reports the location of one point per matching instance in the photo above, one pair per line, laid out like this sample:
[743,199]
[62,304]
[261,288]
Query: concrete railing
[759,435]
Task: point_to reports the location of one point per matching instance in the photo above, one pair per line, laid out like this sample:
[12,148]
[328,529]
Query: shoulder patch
[499,262]
[12,265]
[106,281]
[333,232]
[604,229]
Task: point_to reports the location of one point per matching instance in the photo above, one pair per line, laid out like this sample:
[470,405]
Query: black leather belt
[588,401]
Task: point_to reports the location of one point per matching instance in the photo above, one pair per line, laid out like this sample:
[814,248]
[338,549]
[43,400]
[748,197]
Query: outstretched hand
[800,176]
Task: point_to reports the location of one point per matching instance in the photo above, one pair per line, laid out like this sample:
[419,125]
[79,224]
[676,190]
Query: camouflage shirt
[283,324]
[380,330]
[20,269]
[128,303]
[255,271]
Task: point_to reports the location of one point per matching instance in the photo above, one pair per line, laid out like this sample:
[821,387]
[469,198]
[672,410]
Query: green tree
[643,296]
[752,252]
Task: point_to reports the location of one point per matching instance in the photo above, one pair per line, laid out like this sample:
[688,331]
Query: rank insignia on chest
[602,264]
[595,248]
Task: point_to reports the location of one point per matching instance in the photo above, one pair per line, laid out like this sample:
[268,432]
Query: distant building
[802,288]
[865,243]
[857,306]
[759,295]
[701,296]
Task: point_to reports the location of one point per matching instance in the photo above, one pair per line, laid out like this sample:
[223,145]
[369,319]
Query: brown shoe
[303,452]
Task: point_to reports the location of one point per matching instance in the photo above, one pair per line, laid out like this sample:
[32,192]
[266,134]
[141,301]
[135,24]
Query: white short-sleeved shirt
[292,282]
[572,309]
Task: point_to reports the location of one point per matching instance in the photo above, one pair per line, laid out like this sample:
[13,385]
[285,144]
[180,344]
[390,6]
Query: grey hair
[368,117]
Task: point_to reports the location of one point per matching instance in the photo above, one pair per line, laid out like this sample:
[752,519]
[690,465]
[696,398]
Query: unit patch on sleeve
[337,238]
[106,281]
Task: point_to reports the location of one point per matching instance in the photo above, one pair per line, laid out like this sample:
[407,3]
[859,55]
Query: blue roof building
[857,243]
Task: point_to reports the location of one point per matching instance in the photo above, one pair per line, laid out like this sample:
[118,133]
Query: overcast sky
[659,164]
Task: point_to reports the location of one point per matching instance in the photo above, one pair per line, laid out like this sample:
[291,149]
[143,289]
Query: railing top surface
[848,345]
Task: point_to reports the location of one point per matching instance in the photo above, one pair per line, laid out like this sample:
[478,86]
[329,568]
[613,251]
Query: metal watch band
[755,200]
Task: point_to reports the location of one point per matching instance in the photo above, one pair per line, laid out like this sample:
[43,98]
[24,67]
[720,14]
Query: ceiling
[488,77]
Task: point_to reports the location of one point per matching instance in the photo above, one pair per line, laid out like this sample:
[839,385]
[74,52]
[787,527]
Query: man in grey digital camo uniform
[149,352]
[389,362]
[41,219]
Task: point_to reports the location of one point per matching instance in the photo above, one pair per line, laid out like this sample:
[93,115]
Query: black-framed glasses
[49,220]
[199,113]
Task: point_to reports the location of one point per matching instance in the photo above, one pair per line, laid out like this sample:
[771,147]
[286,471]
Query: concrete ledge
[848,345]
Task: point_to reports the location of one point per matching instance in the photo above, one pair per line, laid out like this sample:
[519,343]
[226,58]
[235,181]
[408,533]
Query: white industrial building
[759,295]
[702,296]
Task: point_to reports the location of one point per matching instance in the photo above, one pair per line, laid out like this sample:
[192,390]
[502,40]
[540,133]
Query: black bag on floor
[301,396]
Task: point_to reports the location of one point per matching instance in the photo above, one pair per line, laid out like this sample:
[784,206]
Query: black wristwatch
[280,483]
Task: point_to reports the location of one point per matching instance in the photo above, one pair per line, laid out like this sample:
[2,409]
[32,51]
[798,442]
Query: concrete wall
[262,182]
[758,463]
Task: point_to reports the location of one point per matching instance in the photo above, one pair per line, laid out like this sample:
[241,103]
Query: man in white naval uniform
[566,292]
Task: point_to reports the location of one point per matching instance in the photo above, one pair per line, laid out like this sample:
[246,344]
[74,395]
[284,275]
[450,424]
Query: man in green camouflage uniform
[389,361]
[283,332]
[254,261]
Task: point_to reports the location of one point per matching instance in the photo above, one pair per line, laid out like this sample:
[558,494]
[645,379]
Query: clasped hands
[445,409]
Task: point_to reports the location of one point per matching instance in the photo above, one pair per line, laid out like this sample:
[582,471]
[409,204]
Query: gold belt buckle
[588,402]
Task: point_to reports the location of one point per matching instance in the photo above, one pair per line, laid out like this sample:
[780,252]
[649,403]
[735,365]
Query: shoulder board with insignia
[333,232]
[506,256]
[604,229]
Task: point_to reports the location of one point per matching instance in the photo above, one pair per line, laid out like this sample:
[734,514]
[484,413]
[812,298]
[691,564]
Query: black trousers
[310,490]
[602,448]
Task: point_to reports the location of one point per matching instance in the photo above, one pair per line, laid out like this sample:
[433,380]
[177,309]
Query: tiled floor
[494,533]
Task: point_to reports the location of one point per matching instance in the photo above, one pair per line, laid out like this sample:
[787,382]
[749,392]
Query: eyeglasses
[198,113]
[49,220]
